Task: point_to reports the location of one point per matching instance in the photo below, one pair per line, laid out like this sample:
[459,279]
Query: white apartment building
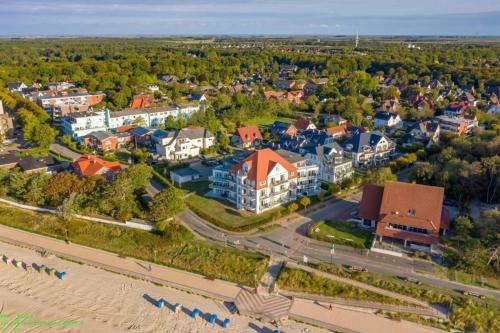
[82,123]
[307,172]
[369,149]
[333,165]
[264,180]
[152,117]
[183,144]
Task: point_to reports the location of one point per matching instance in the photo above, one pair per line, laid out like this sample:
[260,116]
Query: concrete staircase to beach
[268,281]
[262,306]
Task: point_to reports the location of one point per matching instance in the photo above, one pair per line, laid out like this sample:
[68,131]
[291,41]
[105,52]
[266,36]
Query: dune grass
[175,247]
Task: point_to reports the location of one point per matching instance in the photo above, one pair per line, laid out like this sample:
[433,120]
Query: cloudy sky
[282,17]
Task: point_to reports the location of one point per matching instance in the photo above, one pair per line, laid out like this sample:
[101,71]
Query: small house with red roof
[406,213]
[91,165]
[141,101]
[246,137]
[304,124]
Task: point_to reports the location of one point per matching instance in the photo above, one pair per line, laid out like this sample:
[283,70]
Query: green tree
[139,175]
[167,204]
[34,190]
[379,176]
[292,208]
[44,135]
[305,202]
[463,228]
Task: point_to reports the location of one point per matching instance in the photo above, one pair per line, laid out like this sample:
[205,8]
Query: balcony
[278,182]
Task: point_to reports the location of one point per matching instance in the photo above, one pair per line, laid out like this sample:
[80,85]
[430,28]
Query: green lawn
[265,121]
[344,233]
[298,280]
[176,247]
[223,214]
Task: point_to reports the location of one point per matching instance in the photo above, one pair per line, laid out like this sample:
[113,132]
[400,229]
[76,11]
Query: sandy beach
[93,300]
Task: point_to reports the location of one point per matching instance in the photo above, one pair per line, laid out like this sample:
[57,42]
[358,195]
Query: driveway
[63,151]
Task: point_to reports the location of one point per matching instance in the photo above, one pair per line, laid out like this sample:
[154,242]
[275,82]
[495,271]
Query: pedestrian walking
[330,307]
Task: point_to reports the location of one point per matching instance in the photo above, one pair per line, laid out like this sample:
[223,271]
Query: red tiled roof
[302,124]
[249,133]
[261,163]
[369,206]
[141,101]
[89,165]
[337,129]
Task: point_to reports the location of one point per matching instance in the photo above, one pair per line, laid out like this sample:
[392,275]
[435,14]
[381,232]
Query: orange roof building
[91,165]
[411,213]
[261,181]
[141,101]
[247,136]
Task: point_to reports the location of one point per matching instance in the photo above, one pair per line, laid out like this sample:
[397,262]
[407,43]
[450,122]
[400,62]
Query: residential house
[77,125]
[60,86]
[390,105]
[246,137]
[30,164]
[285,84]
[200,98]
[455,109]
[406,213]
[388,120]
[16,86]
[101,141]
[457,125]
[333,165]
[141,101]
[425,131]
[304,124]
[183,144]
[262,181]
[304,141]
[168,79]
[287,71]
[294,97]
[49,102]
[337,131]
[279,128]
[369,149]
[141,136]
[328,119]
[90,165]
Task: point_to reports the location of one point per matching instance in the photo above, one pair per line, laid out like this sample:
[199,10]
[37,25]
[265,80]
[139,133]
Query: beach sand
[93,300]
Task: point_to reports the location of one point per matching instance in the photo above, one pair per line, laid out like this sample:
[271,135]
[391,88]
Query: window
[411,212]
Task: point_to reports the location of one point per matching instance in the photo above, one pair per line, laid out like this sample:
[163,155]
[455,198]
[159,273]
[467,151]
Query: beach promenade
[344,320]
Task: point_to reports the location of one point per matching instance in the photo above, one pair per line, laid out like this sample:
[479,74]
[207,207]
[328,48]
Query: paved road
[289,240]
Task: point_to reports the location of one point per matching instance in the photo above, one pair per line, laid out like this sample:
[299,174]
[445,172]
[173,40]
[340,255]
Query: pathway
[268,281]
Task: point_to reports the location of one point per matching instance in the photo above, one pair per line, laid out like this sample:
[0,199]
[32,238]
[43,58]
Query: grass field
[265,121]
[339,232]
[176,247]
[222,213]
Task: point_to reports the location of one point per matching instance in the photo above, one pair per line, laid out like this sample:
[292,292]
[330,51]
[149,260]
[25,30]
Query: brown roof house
[248,136]
[410,214]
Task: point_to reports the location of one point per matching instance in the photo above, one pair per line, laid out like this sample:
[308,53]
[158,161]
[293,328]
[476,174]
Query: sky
[249,17]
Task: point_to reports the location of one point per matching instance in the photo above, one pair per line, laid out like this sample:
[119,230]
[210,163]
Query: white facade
[282,182]
[183,144]
[80,124]
[369,149]
[334,167]
[388,119]
[152,117]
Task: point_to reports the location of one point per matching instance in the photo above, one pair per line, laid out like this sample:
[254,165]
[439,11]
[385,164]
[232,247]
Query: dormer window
[411,212]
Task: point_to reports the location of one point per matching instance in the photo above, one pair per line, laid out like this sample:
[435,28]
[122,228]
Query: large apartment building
[264,180]
[334,166]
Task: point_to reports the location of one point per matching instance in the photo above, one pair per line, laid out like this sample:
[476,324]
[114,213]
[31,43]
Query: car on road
[411,280]
[471,293]
[357,269]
